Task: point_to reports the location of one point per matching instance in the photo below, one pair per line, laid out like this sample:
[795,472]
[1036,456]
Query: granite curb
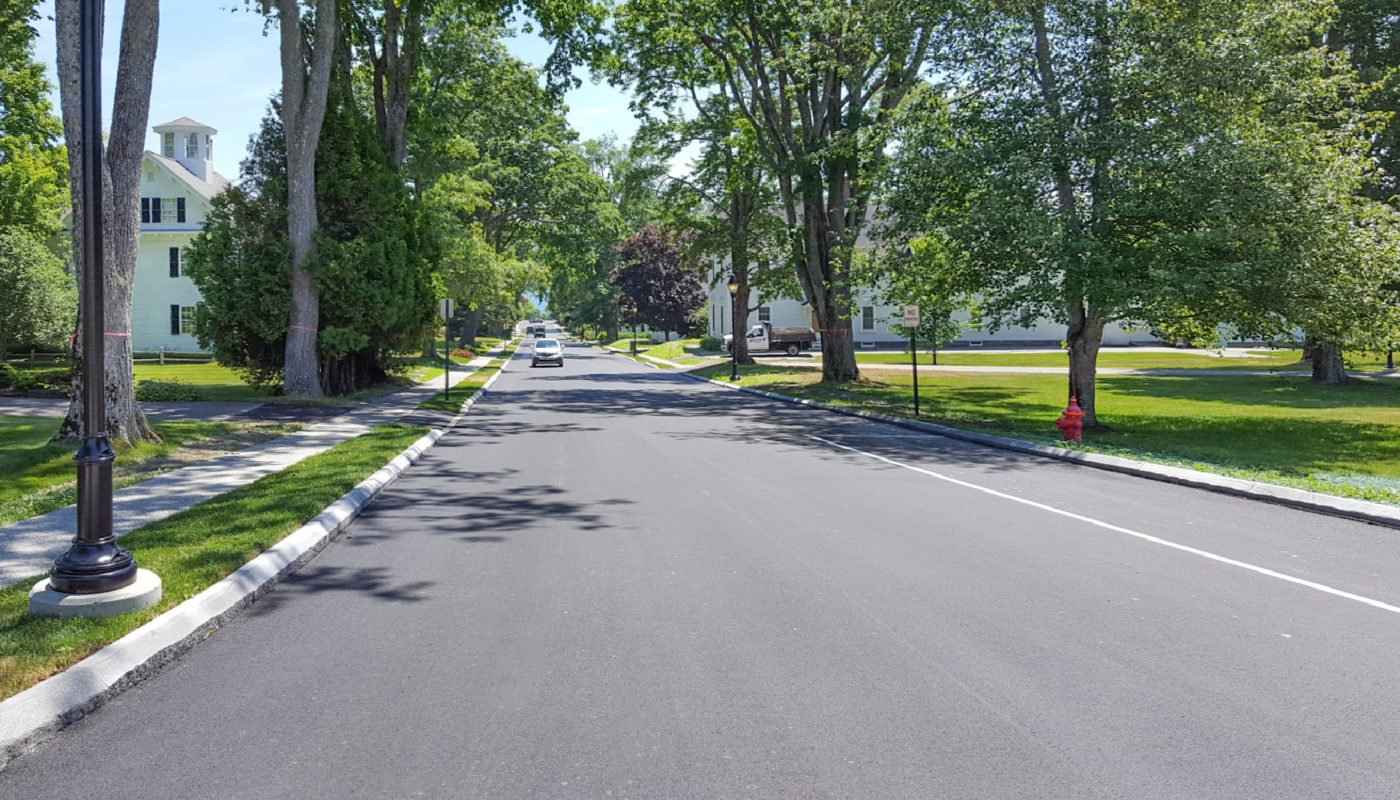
[30,717]
[1362,510]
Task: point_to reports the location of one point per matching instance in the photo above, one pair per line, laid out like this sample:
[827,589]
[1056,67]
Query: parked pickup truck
[764,337]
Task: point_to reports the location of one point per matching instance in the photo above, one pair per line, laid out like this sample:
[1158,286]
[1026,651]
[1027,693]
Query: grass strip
[1340,440]
[191,551]
[451,402]
[37,475]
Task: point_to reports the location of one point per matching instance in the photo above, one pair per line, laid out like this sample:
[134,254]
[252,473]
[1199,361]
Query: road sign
[445,309]
[911,316]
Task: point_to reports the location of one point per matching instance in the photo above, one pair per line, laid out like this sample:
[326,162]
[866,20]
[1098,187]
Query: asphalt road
[618,582]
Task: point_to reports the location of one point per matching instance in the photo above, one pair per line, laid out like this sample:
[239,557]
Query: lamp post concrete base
[143,593]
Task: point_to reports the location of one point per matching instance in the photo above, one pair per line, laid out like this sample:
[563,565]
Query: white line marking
[1321,587]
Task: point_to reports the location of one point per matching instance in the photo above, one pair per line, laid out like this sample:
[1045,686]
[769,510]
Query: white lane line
[1147,537]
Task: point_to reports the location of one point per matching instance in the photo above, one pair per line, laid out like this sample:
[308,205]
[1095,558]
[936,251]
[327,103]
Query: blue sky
[216,64]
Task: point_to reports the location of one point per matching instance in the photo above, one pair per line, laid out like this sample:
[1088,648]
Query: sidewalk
[29,547]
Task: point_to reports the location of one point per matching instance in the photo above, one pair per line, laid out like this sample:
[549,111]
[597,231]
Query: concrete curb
[32,716]
[1362,510]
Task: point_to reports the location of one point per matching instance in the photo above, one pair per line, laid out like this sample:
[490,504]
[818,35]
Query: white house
[177,185]
[872,321]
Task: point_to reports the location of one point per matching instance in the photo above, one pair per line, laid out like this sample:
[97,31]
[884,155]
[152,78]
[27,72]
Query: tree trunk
[1084,337]
[827,285]
[739,212]
[1327,365]
[303,109]
[121,204]
[473,323]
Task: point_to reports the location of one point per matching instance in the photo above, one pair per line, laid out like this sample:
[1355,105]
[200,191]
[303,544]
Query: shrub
[171,391]
[54,380]
[8,374]
[712,344]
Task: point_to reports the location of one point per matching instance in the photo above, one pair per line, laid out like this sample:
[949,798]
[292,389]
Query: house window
[765,314]
[191,145]
[867,318]
[209,148]
[145,209]
[179,209]
[181,320]
[167,145]
[155,210]
[174,262]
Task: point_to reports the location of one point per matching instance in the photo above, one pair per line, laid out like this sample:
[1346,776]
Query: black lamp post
[734,338]
[94,563]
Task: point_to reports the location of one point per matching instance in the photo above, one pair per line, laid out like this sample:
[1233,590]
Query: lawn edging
[1362,510]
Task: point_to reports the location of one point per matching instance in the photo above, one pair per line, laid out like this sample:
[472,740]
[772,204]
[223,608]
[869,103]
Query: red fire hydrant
[1072,422]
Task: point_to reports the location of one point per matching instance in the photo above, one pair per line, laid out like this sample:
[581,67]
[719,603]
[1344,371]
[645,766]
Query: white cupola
[190,143]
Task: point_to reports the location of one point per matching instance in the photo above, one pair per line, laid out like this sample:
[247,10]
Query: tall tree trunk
[1084,337]
[739,204]
[827,285]
[303,109]
[393,56]
[473,323]
[1327,364]
[121,204]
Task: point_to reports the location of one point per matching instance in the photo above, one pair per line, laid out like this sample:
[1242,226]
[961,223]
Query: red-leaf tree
[660,291]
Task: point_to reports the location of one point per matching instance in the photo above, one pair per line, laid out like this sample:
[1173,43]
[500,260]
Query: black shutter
[175,320]
[179,209]
[174,262]
[155,209]
[145,209]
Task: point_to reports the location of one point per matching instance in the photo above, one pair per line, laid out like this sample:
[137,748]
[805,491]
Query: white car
[547,351]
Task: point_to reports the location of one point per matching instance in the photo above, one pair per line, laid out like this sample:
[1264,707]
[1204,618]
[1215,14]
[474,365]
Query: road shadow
[371,582]
[477,508]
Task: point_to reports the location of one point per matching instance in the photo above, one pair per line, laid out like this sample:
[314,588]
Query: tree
[1368,32]
[1152,170]
[506,185]
[33,165]
[306,75]
[121,208]
[817,82]
[372,267]
[660,292]
[40,298]
[916,275]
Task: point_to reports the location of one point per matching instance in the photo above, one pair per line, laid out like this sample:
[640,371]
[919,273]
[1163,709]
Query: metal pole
[914,367]
[447,359]
[94,563]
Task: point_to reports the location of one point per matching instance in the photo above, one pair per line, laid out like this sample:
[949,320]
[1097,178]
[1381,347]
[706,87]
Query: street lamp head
[733,286]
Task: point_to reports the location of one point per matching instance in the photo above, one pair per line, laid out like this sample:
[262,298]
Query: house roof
[183,122]
[206,189]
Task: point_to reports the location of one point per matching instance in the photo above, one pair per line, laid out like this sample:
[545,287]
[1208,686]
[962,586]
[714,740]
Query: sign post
[445,308]
[911,321]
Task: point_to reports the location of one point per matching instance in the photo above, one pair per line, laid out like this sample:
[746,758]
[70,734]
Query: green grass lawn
[625,343]
[419,369]
[681,350]
[211,381]
[192,550]
[38,476]
[1119,359]
[1338,439]
[1128,358]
